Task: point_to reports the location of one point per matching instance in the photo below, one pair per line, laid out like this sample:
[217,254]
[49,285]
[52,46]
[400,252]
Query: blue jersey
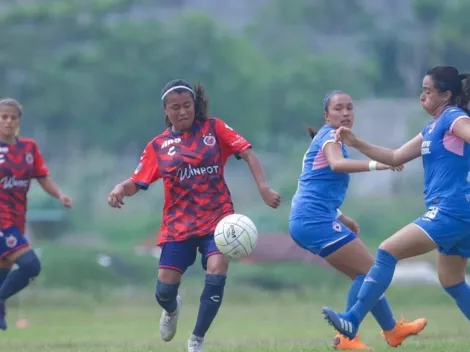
[446,163]
[320,191]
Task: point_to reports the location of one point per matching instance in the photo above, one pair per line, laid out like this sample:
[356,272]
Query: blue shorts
[11,240]
[451,235]
[320,238]
[179,256]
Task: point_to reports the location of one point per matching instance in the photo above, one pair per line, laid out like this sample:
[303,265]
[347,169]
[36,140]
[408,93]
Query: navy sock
[3,274]
[461,294]
[166,296]
[211,299]
[29,267]
[375,284]
[354,291]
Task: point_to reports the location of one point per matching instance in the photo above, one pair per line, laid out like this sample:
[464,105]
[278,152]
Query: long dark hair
[448,78]
[201,102]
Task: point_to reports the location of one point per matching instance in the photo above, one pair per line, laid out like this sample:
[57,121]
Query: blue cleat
[340,322]
[3,322]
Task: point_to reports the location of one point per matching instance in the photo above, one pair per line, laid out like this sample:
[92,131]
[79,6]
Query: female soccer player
[20,161]
[190,156]
[317,224]
[443,145]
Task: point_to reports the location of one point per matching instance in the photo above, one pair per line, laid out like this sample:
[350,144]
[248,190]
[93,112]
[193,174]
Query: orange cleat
[402,330]
[343,343]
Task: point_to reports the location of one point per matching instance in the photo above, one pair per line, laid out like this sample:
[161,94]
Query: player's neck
[439,111]
[8,139]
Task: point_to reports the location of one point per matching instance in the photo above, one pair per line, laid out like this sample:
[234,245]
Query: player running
[443,145]
[20,161]
[190,156]
[317,225]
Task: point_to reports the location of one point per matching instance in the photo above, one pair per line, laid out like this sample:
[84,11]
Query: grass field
[257,322]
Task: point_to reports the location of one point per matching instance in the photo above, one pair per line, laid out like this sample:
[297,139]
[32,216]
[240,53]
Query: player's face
[340,111]
[432,100]
[9,121]
[179,108]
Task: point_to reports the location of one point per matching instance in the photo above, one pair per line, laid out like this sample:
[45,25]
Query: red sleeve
[147,170]
[232,142]
[39,166]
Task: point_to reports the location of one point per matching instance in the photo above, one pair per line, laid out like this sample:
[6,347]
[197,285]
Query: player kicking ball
[189,156]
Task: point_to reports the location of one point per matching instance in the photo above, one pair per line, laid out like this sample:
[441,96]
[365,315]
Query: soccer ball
[236,236]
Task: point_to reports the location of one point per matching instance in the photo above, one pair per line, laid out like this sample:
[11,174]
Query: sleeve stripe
[329,141]
[141,185]
[457,119]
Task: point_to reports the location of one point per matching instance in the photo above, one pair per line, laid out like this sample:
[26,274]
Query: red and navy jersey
[19,163]
[192,168]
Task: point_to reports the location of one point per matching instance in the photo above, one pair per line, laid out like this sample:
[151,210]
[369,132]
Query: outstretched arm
[49,186]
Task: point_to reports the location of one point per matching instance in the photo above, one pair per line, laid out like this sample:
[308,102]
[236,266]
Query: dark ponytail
[463,98]
[312,132]
[201,103]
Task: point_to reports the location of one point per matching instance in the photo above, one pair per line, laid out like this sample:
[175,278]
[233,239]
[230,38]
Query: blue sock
[354,291]
[375,284]
[211,299]
[383,314]
[29,267]
[381,311]
[166,296]
[3,274]
[461,294]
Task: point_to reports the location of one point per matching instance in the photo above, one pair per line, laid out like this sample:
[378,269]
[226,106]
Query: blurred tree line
[96,67]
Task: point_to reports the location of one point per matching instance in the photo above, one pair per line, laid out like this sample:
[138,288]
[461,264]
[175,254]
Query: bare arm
[129,188]
[337,162]
[49,186]
[270,197]
[393,157]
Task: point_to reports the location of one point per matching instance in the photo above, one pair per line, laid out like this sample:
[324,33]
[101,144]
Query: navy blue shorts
[11,240]
[179,256]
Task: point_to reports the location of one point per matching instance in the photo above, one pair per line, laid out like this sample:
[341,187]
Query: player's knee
[166,292]
[215,280]
[29,264]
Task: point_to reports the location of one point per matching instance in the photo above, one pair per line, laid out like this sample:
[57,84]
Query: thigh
[451,235]
[450,269]
[178,256]
[212,260]
[320,238]
[12,243]
[352,259]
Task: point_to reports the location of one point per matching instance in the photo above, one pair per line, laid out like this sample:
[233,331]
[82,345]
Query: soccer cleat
[402,330]
[169,322]
[195,344]
[343,343]
[341,324]
[3,321]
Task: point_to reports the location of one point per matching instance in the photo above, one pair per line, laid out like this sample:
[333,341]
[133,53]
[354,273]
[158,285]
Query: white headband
[177,87]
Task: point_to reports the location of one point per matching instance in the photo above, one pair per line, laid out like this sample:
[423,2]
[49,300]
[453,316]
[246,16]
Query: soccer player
[20,161]
[189,156]
[317,225]
[443,146]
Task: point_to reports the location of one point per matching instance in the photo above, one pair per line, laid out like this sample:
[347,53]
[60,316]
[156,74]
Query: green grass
[248,321]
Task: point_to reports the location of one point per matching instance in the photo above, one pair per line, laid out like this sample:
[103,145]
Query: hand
[116,197]
[351,224]
[345,135]
[381,167]
[66,201]
[270,197]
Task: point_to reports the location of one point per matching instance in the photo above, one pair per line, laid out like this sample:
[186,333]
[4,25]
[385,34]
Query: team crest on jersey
[209,140]
[29,158]
[337,226]
[11,241]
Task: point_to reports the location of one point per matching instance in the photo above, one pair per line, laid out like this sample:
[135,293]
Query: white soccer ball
[236,236]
